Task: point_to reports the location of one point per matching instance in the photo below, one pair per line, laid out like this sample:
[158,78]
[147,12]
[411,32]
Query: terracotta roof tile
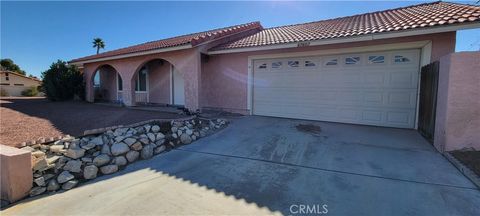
[411,17]
[193,39]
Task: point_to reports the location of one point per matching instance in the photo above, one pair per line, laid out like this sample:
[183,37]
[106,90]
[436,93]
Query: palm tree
[98,43]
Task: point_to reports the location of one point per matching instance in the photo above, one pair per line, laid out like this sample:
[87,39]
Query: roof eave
[369,37]
[154,51]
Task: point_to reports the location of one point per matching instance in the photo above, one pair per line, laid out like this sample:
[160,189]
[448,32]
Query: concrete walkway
[261,166]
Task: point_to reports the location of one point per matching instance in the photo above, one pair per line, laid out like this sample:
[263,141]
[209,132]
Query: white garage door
[366,88]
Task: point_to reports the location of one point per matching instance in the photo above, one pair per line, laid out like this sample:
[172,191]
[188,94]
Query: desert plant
[63,82]
[30,92]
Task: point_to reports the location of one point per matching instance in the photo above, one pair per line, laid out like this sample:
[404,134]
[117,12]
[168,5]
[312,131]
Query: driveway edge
[463,169]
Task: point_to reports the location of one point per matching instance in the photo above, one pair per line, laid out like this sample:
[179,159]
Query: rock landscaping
[65,163]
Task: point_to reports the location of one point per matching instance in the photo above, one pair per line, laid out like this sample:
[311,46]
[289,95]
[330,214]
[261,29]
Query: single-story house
[360,69]
[13,84]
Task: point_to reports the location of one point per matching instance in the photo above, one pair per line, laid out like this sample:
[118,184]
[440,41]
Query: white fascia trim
[187,46]
[406,33]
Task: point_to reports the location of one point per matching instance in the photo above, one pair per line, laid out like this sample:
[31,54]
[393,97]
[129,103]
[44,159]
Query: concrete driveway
[261,165]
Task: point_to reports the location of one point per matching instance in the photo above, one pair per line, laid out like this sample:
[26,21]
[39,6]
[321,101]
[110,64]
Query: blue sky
[35,34]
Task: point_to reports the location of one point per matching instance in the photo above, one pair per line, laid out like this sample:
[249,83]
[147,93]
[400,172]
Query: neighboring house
[12,84]
[362,69]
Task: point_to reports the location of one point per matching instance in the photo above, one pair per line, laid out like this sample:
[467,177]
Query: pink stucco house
[361,69]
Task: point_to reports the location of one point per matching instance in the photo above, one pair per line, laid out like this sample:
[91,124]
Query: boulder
[144,140]
[28,148]
[155,128]
[53,185]
[119,138]
[159,142]
[160,149]
[53,159]
[88,146]
[147,152]
[109,169]
[185,139]
[189,132]
[57,148]
[151,137]
[119,149]
[39,164]
[101,160]
[160,136]
[175,136]
[120,161]
[179,132]
[64,177]
[75,153]
[38,154]
[136,146]
[39,181]
[130,141]
[174,129]
[147,128]
[194,137]
[87,159]
[132,156]
[97,140]
[69,184]
[37,191]
[90,172]
[106,150]
[73,166]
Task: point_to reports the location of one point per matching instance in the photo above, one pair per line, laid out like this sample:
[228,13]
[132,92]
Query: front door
[178,88]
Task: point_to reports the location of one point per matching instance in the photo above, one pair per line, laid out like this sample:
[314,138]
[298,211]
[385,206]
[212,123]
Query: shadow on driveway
[249,169]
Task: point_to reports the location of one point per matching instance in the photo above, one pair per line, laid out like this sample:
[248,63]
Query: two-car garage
[374,88]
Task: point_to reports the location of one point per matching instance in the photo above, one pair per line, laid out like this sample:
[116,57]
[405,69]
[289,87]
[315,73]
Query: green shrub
[30,92]
[62,82]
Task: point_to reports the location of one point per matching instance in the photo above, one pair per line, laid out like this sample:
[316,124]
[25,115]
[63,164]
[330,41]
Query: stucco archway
[157,81]
[105,84]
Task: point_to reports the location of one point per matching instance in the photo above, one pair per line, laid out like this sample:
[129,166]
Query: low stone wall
[64,163]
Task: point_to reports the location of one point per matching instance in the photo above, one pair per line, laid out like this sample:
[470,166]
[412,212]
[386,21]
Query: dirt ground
[471,159]
[24,119]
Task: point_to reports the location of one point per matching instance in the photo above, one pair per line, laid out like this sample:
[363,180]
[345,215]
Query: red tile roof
[412,17]
[193,39]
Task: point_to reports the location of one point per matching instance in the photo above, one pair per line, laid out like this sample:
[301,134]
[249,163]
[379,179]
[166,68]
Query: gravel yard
[23,119]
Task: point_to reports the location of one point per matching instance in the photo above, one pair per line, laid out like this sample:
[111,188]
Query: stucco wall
[457,124]
[186,61]
[159,82]
[224,76]
[16,84]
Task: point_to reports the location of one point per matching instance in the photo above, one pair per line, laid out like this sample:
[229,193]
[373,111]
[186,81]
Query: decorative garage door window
[309,64]
[277,64]
[400,59]
[331,62]
[263,66]
[376,59]
[293,63]
[352,60]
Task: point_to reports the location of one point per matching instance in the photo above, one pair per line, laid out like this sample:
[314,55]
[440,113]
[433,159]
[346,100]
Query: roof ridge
[175,37]
[361,14]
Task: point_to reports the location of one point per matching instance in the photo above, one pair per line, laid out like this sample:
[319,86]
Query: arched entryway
[158,82]
[107,84]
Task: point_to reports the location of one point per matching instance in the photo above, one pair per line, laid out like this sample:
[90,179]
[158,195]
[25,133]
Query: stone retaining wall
[64,162]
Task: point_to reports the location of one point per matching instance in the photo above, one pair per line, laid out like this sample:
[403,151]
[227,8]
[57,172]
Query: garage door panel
[376,89]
